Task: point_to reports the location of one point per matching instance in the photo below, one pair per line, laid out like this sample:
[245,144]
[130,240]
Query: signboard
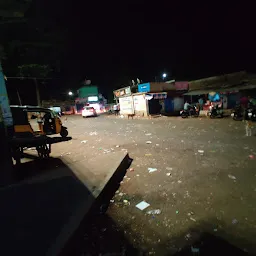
[126,105]
[144,87]
[139,103]
[4,101]
[126,91]
[93,98]
[181,86]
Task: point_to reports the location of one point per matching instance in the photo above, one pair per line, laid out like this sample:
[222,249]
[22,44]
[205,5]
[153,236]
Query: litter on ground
[151,169]
[148,142]
[142,205]
[232,177]
[154,212]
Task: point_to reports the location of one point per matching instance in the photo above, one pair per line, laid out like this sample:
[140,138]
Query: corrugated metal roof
[226,89]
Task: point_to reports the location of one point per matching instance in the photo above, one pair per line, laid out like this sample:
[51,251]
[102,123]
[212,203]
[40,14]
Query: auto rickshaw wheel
[64,132]
[43,151]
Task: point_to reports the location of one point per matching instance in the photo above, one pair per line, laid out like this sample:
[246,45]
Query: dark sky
[123,41]
[112,43]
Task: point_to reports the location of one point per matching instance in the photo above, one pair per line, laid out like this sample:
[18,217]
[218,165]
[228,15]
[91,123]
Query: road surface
[203,181]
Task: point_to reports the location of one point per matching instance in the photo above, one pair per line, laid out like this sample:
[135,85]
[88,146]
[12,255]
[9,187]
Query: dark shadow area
[174,113]
[208,244]
[203,240]
[90,237]
[43,206]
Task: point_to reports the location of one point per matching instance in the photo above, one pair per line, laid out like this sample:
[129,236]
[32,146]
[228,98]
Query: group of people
[200,104]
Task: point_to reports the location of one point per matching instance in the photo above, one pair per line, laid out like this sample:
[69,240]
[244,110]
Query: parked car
[88,111]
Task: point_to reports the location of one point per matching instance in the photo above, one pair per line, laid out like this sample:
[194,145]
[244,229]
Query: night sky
[114,43]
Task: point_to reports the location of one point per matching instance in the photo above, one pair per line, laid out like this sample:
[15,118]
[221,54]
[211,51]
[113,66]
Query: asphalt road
[204,184]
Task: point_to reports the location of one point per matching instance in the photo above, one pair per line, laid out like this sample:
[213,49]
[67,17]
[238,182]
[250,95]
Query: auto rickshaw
[31,121]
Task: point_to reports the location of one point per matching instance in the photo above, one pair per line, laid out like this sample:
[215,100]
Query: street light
[164,75]
[70,93]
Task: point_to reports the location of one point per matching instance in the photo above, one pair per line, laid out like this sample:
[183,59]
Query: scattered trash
[122,116]
[195,251]
[151,170]
[142,205]
[188,236]
[148,142]
[234,221]
[168,174]
[68,153]
[148,134]
[117,191]
[112,201]
[121,194]
[126,202]
[177,212]
[251,156]
[148,154]
[131,169]
[232,177]
[154,212]
[169,168]
[84,141]
[93,133]
[157,145]
[192,219]
[200,151]
[179,181]
[137,175]
[215,230]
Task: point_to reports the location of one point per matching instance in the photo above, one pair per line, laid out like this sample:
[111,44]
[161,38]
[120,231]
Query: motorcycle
[192,111]
[215,112]
[250,114]
[238,113]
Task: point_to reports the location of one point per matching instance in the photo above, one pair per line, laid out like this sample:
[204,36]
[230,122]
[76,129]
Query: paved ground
[204,186]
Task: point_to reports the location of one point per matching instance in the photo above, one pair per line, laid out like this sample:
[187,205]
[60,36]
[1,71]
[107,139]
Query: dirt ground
[203,185]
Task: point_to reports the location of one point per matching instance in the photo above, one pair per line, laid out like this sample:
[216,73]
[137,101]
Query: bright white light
[70,93]
[164,75]
[93,98]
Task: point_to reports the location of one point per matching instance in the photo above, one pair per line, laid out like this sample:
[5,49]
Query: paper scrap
[151,169]
[142,205]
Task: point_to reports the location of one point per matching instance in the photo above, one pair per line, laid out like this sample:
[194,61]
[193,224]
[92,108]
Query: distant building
[89,95]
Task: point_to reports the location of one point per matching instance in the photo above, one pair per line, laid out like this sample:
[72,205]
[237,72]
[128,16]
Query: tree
[35,72]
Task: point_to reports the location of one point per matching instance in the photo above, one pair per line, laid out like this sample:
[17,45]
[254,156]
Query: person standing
[115,109]
[201,103]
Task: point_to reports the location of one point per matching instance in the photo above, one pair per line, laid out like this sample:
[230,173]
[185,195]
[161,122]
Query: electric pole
[6,125]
